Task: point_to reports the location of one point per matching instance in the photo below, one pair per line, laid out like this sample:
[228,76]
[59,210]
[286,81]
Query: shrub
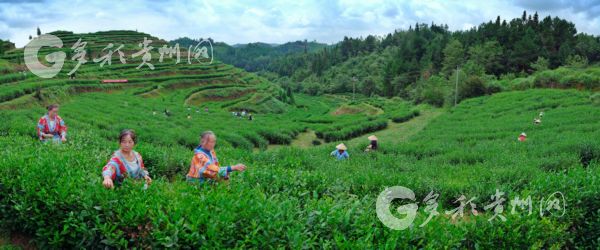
[546,78]
[595,98]
[276,137]
[472,87]
[351,131]
[588,153]
[398,118]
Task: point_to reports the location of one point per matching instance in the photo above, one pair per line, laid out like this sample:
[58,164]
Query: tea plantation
[290,196]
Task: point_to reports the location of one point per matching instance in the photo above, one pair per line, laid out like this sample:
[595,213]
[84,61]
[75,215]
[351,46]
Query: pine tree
[525,51]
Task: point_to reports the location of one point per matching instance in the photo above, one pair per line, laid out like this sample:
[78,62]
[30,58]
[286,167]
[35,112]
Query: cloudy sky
[274,21]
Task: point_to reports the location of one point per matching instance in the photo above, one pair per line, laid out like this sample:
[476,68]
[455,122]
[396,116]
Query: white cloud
[274,21]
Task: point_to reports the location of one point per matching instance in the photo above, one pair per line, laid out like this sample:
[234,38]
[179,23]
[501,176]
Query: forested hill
[419,62]
[254,56]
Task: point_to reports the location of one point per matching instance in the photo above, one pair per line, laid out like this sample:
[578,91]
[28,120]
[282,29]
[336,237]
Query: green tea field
[474,185]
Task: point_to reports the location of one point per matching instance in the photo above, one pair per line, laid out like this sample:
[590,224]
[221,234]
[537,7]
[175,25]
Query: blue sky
[273,21]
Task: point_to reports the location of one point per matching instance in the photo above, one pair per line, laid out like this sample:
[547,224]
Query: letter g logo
[31,56]
[384,201]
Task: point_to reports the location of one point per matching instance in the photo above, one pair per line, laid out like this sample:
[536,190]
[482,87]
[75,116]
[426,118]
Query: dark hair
[206,134]
[52,106]
[127,132]
[373,144]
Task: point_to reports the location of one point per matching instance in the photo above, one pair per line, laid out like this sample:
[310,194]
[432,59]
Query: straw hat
[341,146]
[372,138]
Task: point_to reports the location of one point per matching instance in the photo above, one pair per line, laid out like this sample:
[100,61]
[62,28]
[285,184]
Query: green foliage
[595,98]
[403,117]
[541,64]
[576,61]
[453,56]
[302,197]
[433,91]
[5,46]
[563,77]
[396,63]
[472,87]
[347,131]
[487,56]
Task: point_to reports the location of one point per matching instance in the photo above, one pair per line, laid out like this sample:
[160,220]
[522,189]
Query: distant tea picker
[340,152]
[373,143]
[205,165]
[538,120]
[522,137]
[51,127]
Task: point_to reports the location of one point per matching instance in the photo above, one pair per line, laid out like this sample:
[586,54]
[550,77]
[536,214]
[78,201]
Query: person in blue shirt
[340,153]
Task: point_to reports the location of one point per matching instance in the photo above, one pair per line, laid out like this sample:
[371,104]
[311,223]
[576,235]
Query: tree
[290,95]
[312,88]
[388,88]
[453,56]
[576,61]
[473,68]
[370,43]
[472,87]
[486,55]
[433,91]
[368,86]
[397,63]
[588,46]
[541,64]
[39,32]
[525,51]
[564,53]
[305,46]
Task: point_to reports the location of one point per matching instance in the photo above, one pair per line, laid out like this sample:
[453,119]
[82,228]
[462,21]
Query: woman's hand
[239,167]
[148,179]
[108,182]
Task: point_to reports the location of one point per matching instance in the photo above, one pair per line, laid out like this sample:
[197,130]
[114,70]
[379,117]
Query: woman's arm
[63,131]
[40,130]
[109,173]
[145,173]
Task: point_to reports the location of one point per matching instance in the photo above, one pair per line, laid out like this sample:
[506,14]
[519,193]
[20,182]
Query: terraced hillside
[19,86]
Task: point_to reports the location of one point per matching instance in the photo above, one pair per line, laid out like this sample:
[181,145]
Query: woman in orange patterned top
[205,164]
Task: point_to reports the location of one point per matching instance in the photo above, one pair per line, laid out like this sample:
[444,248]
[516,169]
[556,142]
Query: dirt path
[399,132]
